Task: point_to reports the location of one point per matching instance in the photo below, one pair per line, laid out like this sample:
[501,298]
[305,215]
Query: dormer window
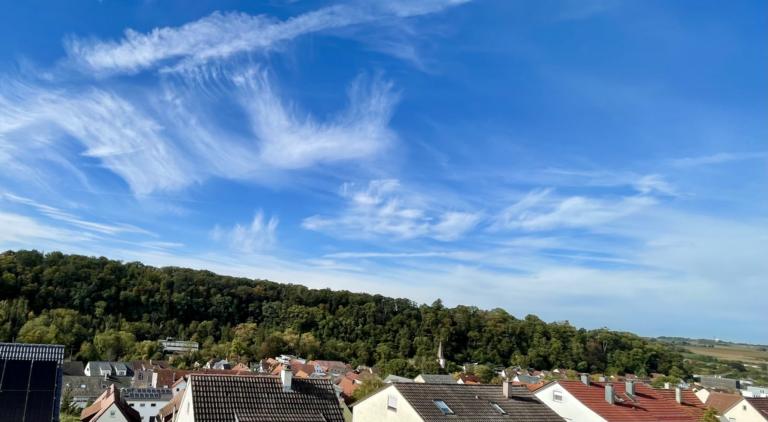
[497,407]
[444,407]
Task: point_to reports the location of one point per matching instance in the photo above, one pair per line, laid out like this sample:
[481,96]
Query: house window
[112,414]
[141,375]
[441,404]
[153,405]
[103,385]
[497,407]
[132,404]
[151,419]
[82,385]
[744,408]
[392,404]
[557,396]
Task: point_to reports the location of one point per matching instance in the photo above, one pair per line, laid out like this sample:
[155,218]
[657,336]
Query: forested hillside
[105,309]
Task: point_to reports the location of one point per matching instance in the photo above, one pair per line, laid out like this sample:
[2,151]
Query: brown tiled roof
[170,376]
[473,403]
[649,404]
[722,402]
[760,404]
[217,398]
[166,413]
[470,379]
[139,365]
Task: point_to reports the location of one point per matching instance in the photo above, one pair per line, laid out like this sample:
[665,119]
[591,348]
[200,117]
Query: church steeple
[440,357]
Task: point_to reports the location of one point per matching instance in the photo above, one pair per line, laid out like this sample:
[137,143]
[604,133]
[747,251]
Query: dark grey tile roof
[394,378]
[17,351]
[528,379]
[75,368]
[437,379]
[261,399]
[473,403]
[94,386]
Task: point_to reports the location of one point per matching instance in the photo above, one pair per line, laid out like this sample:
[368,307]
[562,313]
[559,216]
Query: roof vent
[630,388]
[585,380]
[286,376]
[609,393]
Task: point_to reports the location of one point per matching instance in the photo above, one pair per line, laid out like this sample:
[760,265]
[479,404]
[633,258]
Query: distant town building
[749,409]
[110,369]
[718,382]
[85,388]
[110,406]
[30,382]
[147,401]
[178,346]
[394,378]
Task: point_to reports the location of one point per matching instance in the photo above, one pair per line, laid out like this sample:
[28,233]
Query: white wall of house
[113,414]
[186,407]
[702,394]
[376,408]
[147,408]
[743,412]
[568,407]
[180,386]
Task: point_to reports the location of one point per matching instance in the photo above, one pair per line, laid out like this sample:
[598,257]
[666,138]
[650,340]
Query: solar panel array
[144,393]
[29,382]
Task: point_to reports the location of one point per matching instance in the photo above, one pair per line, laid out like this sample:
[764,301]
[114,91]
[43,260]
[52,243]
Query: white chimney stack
[679,395]
[666,386]
[630,388]
[585,380]
[609,393]
[286,375]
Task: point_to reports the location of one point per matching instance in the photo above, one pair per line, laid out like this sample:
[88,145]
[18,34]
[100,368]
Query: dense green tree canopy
[100,308]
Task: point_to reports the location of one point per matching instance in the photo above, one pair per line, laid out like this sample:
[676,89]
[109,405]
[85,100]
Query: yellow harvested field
[740,353]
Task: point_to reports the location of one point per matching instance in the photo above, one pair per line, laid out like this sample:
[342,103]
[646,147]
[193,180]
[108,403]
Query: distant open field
[740,353]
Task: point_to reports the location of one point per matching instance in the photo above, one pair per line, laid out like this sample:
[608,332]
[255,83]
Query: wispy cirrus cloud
[170,141]
[381,208]
[60,215]
[536,211]
[722,157]
[222,35]
[256,236]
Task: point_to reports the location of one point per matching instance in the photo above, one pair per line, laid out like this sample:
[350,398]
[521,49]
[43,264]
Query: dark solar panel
[12,405]
[39,406]
[16,375]
[44,374]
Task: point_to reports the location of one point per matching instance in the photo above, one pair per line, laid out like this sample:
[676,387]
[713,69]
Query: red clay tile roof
[651,404]
[349,387]
[166,413]
[722,402]
[760,404]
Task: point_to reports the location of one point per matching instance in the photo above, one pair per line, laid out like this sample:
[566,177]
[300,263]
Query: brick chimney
[609,393]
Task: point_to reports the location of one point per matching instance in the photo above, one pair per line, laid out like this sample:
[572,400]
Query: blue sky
[596,161]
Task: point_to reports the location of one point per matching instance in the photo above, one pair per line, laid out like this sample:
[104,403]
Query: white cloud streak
[381,209]
[259,235]
[723,157]
[222,35]
[58,214]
